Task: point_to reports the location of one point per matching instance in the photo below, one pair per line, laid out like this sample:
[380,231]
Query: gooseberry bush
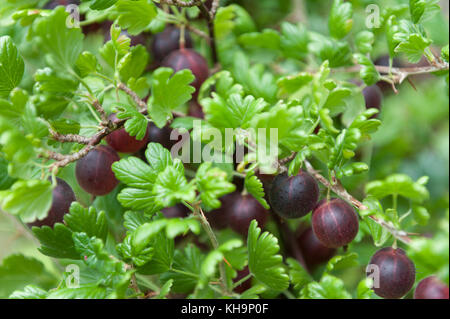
[116,169]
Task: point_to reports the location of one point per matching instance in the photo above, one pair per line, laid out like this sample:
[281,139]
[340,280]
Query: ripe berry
[122,142]
[246,284]
[219,218]
[62,198]
[160,135]
[196,110]
[294,196]
[314,252]
[245,209]
[94,173]
[335,223]
[431,288]
[372,96]
[396,273]
[188,59]
[168,41]
[177,211]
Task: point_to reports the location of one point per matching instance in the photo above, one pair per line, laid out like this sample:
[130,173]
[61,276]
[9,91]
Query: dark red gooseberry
[122,142]
[241,274]
[335,223]
[168,41]
[219,218]
[245,209]
[395,270]
[294,196]
[94,173]
[431,288]
[314,252]
[161,136]
[62,198]
[188,59]
[196,110]
[177,211]
[373,97]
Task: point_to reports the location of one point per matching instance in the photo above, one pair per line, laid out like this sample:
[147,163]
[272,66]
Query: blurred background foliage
[413,139]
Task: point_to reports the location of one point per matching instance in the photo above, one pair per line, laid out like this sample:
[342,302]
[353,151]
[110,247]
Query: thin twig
[199,32]
[142,105]
[70,138]
[213,239]
[399,75]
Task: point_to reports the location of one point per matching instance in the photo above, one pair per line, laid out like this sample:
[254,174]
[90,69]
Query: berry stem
[198,212]
[342,192]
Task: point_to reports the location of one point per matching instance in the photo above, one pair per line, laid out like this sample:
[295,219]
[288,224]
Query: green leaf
[293,83]
[298,275]
[18,270]
[264,262]
[413,47]
[368,72]
[133,63]
[132,220]
[168,93]
[87,63]
[421,215]
[5,180]
[83,292]
[56,242]
[87,220]
[364,41]
[101,4]
[171,187]
[30,200]
[267,39]
[188,261]
[342,262]
[163,252]
[233,112]
[329,287]
[398,184]
[165,289]
[255,187]
[212,184]
[134,172]
[364,290]
[29,292]
[11,66]
[340,21]
[136,123]
[135,15]
[51,82]
[423,10]
[62,45]
[145,233]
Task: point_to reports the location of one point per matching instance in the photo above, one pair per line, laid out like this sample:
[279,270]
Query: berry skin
[188,59]
[161,136]
[295,196]
[373,97]
[62,198]
[177,211]
[168,41]
[396,273]
[219,218]
[314,252]
[122,142]
[94,173]
[335,223]
[196,110]
[245,209]
[431,288]
[246,284]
